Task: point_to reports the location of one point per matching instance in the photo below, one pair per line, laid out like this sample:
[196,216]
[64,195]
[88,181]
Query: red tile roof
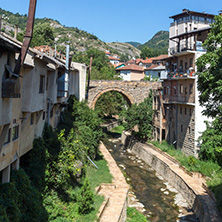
[46,49]
[131,67]
[113,58]
[161,57]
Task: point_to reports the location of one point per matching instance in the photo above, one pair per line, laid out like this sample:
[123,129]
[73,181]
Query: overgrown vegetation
[101,69]
[55,182]
[139,117]
[135,216]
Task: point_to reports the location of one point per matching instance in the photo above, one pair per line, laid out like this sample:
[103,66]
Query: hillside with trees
[80,41]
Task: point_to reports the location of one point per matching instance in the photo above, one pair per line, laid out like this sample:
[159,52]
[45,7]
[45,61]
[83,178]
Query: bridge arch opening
[125,95]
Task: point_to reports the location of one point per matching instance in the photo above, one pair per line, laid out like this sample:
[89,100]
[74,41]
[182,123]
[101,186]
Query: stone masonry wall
[133,91]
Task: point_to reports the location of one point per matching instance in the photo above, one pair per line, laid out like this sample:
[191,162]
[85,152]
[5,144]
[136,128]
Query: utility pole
[28,36]
[90,69]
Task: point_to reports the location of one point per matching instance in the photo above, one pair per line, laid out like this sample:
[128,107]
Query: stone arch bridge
[132,91]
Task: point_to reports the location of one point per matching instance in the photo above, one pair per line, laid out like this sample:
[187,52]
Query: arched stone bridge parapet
[132,91]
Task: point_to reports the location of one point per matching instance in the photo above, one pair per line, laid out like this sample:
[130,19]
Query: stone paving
[114,209]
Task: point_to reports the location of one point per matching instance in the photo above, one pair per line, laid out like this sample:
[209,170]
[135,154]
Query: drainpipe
[28,36]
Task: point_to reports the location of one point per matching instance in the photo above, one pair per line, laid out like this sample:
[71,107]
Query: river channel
[156,199]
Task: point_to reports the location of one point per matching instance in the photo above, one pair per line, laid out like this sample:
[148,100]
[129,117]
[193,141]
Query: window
[191,62]
[43,116]
[185,111]
[51,113]
[8,137]
[159,74]
[164,90]
[181,88]
[185,66]
[47,83]
[191,88]
[186,91]
[175,90]
[181,128]
[168,89]
[32,119]
[181,64]
[41,84]
[181,110]
[15,133]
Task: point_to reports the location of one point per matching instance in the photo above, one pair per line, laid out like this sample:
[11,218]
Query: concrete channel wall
[191,188]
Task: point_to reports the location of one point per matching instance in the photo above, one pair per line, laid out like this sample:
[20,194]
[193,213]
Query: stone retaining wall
[190,188]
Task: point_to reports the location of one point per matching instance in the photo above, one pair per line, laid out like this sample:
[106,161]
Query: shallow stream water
[152,194]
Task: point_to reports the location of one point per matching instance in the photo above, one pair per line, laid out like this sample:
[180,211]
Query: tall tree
[43,34]
[210,86]
[210,71]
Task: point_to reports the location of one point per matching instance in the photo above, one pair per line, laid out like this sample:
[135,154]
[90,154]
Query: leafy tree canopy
[210,71]
[43,34]
[140,116]
[101,69]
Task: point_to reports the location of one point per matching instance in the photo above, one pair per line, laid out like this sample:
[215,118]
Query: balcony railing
[195,21]
[187,47]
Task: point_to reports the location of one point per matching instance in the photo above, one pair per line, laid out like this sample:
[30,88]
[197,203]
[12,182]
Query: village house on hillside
[34,97]
[179,119]
[137,69]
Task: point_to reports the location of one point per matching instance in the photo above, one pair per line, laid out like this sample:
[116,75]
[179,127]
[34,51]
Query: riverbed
[149,193]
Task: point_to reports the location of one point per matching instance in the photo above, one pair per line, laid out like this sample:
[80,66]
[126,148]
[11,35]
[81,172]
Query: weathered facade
[31,99]
[182,118]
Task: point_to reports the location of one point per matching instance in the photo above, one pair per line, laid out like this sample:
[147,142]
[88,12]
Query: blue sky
[116,20]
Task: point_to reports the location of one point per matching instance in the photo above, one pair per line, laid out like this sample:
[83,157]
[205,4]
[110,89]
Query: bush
[29,199]
[85,198]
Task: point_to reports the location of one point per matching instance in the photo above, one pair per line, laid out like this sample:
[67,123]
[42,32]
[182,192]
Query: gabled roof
[131,67]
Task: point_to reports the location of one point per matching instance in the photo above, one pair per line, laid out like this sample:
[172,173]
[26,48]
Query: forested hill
[80,40]
[159,42]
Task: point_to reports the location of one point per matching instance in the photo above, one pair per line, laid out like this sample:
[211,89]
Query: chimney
[185,10]
[16,32]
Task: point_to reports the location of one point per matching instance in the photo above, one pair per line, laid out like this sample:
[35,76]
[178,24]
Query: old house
[31,99]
